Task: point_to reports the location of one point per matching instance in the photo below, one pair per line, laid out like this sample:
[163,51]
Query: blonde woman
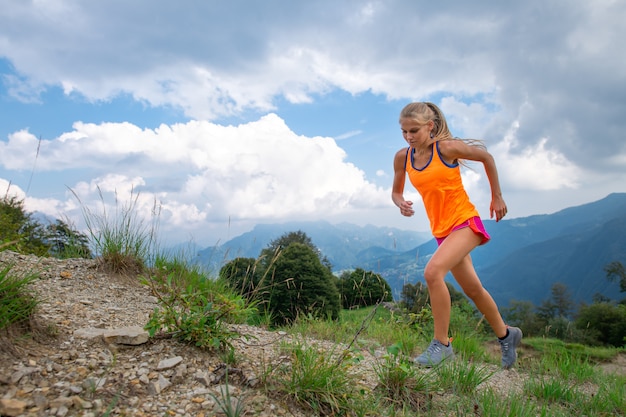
[432,163]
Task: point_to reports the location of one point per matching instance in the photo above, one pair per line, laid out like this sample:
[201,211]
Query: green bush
[604,322]
[301,285]
[66,242]
[242,276]
[361,288]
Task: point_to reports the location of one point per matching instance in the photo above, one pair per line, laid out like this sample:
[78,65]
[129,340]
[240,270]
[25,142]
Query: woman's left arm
[458,149]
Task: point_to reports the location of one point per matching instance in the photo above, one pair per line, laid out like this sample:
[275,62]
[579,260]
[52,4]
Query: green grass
[17,303]
[492,404]
[592,353]
[552,370]
[123,238]
[317,380]
[461,376]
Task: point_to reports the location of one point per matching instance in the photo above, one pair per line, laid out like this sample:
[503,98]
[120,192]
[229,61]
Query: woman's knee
[433,275]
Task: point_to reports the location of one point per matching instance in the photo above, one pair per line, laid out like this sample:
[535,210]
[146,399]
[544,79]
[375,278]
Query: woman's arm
[457,149]
[399,177]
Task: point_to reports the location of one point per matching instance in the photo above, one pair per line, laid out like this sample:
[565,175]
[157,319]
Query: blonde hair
[424,112]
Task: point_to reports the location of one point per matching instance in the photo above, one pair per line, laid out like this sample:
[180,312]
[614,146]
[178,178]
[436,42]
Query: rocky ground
[99,361]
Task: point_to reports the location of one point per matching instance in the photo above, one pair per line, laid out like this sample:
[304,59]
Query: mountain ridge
[571,246]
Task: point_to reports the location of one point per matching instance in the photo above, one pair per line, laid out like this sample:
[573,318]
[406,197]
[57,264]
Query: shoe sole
[432,365]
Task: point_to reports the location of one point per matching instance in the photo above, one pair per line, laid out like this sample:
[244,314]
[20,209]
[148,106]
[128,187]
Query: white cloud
[534,167]
[256,171]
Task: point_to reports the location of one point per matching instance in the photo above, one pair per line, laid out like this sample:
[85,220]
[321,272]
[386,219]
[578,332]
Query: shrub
[18,230]
[301,285]
[361,288]
[242,276]
[192,307]
[66,242]
[604,322]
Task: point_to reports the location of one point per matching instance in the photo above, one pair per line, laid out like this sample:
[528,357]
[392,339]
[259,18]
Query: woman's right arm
[399,177]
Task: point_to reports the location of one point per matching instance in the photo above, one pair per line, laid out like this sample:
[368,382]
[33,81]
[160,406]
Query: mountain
[343,244]
[525,257]
[577,259]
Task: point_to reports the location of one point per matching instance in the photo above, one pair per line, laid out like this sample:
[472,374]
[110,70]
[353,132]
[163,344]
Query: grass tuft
[123,240]
[317,381]
[17,303]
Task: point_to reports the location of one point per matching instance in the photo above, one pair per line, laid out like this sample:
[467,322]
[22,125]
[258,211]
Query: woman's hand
[497,207]
[406,208]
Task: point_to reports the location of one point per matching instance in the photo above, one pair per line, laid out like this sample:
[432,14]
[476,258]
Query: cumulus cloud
[255,171]
[536,166]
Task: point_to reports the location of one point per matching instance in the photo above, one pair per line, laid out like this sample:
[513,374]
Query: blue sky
[230,114]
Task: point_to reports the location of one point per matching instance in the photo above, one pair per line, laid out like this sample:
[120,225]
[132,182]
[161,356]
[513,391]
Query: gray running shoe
[508,346]
[436,353]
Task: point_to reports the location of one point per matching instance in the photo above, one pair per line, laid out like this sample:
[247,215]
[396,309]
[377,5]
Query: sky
[214,116]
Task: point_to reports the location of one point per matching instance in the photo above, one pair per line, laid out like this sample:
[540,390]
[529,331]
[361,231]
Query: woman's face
[415,133]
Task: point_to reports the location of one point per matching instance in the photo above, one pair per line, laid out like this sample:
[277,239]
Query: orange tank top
[445,200]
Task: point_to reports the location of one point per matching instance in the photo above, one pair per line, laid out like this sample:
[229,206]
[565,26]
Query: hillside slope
[72,373]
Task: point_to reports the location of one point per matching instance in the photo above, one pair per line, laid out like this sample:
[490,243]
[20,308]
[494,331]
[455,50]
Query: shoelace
[505,346]
[433,348]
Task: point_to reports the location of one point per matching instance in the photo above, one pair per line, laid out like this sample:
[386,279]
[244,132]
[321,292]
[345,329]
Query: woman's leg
[454,255]
[466,276]
[449,255]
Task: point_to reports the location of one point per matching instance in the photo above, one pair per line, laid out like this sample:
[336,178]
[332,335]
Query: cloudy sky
[226,114]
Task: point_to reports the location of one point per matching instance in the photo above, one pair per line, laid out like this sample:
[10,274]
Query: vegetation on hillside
[20,231]
[290,285]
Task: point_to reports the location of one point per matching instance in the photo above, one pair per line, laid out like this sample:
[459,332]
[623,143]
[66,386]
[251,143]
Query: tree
[604,322]
[415,297]
[615,272]
[18,230]
[361,288]
[522,314]
[559,305]
[66,242]
[301,284]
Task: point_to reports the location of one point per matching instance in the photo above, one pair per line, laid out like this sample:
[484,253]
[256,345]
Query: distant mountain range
[343,243]
[525,257]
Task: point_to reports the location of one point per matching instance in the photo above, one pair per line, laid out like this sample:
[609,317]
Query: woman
[432,161]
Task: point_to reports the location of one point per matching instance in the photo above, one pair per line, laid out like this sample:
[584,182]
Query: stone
[169,363]
[133,335]
[22,372]
[11,407]
[164,383]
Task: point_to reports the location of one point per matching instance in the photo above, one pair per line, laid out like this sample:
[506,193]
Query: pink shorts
[475,224]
